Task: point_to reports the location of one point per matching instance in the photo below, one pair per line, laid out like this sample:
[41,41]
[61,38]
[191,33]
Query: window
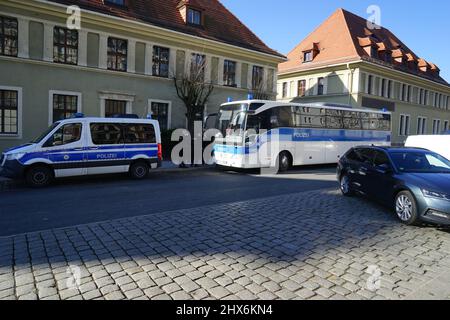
[383,87]
[425,99]
[308,56]
[285,90]
[436,126]
[65,45]
[389,89]
[139,133]
[64,106]
[161,62]
[306,117]
[320,86]
[445,125]
[404,125]
[229,73]
[117,54]
[282,118]
[115,107]
[421,96]
[194,17]
[160,112]
[106,133]
[421,125]
[381,159]
[257,77]
[388,56]
[8,36]
[198,64]
[67,134]
[370,84]
[352,120]
[334,119]
[116,2]
[374,52]
[8,112]
[404,92]
[301,88]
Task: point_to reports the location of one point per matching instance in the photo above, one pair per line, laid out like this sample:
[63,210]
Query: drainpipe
[350,89]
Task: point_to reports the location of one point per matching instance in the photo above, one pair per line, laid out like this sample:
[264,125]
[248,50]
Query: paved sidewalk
[313,245]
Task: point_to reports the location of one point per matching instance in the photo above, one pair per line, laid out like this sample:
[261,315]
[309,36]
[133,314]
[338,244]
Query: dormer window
[119,3]
[308,56]
[194,17]
[374,52]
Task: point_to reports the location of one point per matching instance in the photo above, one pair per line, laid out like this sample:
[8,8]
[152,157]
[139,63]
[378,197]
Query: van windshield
[45,133]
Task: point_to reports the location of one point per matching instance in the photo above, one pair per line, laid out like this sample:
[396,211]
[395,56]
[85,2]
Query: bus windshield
[229,117]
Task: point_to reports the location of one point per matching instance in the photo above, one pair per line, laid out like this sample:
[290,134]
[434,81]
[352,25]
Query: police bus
[86,146]
[258,134]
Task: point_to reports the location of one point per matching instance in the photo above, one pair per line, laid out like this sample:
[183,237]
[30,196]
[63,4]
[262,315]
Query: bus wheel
[284,162]
[39,176]
[139,170]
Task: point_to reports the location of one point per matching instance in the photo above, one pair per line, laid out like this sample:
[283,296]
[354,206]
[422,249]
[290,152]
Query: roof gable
[345,37]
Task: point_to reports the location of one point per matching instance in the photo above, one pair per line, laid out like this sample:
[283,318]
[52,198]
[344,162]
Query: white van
[436,143]
[86,146]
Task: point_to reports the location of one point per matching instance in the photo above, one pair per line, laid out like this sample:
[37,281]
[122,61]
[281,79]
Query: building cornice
[140,28]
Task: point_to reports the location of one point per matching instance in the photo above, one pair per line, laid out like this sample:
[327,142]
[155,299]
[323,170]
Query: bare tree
[193,90]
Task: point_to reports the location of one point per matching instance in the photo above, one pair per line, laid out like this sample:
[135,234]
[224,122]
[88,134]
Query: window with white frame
[436,126]
[160,61]
[404,125]
[160,111]
[229,73]
[369,84]
[445,125]
[9,112]
[421,125]
[64,105]
[285,90]
[115,107]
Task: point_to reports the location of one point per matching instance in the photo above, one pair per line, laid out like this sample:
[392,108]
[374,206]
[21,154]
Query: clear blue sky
[422,25]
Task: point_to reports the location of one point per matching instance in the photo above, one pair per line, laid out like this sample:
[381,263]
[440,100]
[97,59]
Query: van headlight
[435,195]
[14,156]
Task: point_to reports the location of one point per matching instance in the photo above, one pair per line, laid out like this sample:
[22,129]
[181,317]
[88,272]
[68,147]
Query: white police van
[86,146]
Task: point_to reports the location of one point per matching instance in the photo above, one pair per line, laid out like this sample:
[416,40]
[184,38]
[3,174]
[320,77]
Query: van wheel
[139,170]
[39,176]
[284,162]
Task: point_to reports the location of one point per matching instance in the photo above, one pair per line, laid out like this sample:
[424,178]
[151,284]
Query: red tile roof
[219,23]
[342,38]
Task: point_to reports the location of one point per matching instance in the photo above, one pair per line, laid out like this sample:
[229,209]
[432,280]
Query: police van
[86,146]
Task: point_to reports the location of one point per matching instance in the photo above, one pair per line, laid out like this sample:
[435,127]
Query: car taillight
[159,151]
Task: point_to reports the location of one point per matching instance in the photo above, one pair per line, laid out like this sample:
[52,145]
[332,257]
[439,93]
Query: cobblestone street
[310,245]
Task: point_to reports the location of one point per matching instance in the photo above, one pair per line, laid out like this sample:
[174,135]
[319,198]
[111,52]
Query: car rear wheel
[345,186]
[39,176]
[139,170]
[406,208]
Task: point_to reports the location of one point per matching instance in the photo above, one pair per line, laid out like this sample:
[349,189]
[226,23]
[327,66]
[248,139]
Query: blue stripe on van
[309,135]
[102,153]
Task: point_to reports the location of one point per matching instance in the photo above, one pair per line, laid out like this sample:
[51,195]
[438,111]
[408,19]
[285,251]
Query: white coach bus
[261,134]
